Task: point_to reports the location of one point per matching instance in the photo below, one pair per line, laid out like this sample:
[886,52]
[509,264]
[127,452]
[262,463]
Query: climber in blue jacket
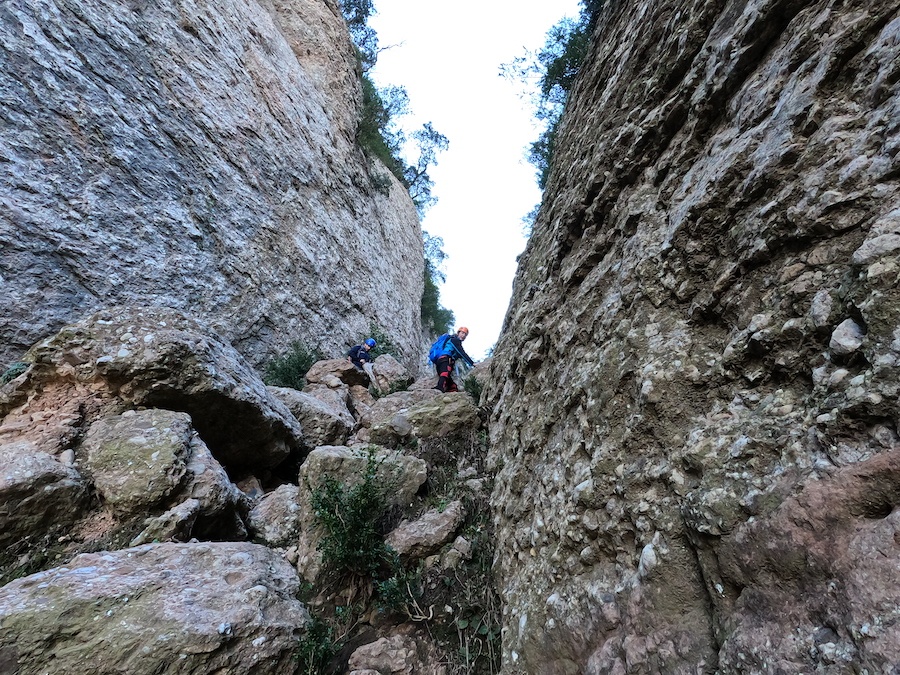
[452,349]
[359,354]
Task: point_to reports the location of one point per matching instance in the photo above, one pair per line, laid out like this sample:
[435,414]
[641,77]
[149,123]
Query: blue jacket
[358,354]
[454,349]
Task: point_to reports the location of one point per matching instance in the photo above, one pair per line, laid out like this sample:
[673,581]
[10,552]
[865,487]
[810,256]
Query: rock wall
[695,393]
[199,156]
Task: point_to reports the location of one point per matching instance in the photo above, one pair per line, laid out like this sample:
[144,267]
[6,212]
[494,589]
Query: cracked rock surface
[698,369]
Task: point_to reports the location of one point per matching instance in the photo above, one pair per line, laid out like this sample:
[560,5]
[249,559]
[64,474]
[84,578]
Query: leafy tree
[434,253]
[554,67]
[435,318]
[380,135]
[377,131]
[356,14]
[430,142]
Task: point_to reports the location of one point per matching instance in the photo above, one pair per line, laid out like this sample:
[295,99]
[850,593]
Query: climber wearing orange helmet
[451,350]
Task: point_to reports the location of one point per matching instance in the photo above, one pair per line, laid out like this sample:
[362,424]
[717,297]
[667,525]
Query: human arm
[456,343]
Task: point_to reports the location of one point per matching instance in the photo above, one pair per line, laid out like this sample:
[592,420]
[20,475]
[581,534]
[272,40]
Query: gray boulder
[400,654]
[149,460]
[137,460]
[37,492]
[157,357]
[173,525]
[388,416]
[322,423]
[159,608]
[276,519]
[431,415]
[428,533]
[390,375]
[336,372]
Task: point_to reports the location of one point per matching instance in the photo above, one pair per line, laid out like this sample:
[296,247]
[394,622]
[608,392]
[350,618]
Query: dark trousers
[444,370]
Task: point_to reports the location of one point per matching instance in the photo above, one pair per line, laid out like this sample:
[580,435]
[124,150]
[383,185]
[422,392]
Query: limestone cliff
[695,392]
[199,156]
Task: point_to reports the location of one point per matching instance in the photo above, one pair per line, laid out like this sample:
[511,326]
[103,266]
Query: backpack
[437,349]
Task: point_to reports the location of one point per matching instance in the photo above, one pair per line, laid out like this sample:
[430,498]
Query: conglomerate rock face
[159,608]
[199,156]
[695,394]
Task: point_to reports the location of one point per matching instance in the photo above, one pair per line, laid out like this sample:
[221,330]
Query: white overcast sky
[447,55]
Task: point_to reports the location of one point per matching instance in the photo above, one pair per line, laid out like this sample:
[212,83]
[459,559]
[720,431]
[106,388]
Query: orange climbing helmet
[462,329]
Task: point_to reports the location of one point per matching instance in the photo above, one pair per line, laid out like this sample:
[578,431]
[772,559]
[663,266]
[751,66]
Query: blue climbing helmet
[370,342]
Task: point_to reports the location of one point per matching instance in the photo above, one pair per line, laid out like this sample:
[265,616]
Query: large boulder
[276,520]
[386,416]
[147,461]
[428,533]
[137,460]
[155,609]
[335,373]
[445,416]
[37,493]
[122,358]
[389,374]
[403,653]
[427,415]
[323,423]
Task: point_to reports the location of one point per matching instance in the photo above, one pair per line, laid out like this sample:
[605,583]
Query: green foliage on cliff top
[380,136]
[554,67]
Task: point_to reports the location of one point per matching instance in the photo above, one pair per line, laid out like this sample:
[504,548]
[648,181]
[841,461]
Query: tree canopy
[380,135]
[554,68]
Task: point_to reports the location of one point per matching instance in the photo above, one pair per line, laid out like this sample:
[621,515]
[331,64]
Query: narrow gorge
[682,457]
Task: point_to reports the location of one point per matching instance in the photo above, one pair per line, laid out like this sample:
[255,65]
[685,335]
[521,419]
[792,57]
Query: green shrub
[316,648]
[401,592]
[473,387]
[289,370]
[13,371]
[351,518]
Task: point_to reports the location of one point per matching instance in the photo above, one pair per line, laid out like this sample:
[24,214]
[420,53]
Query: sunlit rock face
[695,393]
[200,156]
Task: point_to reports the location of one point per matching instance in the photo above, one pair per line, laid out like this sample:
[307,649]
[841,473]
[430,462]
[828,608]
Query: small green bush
[473,387]
[289,370]
[351,518]
[401,592]
[316,648]
[13,371]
